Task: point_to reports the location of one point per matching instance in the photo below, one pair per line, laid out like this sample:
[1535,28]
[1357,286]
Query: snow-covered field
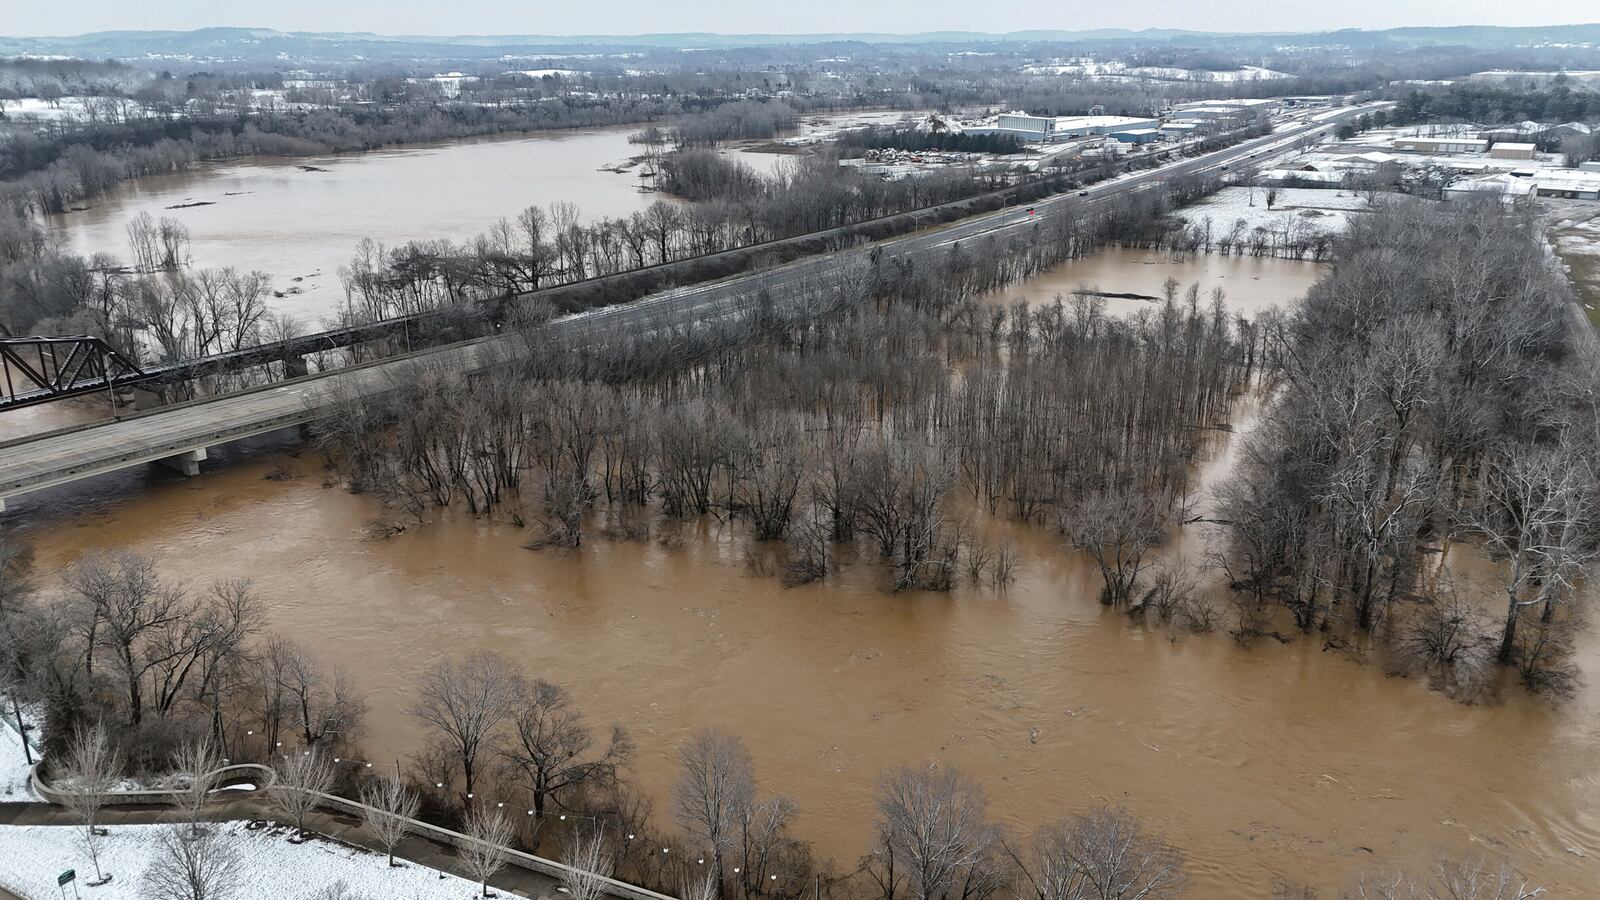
[268,866]
[1115,70]
[1325,210]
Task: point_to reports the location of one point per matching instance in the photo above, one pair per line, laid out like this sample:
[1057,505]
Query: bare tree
[389,808]
[716,785]
[128,607]
[935,825]
[549,748]
[302,779]
[589,857]
[1534,513]
[1471,877]
[323,707]
[196,764]
[1104,854]
[198,866]
[700,888]
[465,703]
[1118,529]
[91,769]
[485,853]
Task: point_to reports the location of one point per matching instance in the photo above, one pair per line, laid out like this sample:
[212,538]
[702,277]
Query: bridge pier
[186,463]
[295,366]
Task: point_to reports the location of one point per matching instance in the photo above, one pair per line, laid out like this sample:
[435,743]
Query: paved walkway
[511,880]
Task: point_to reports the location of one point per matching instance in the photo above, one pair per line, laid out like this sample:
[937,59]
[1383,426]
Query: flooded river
[301,218]
[276,216]
[1271,760]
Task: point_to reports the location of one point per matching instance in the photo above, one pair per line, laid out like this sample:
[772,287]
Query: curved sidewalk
[513,879]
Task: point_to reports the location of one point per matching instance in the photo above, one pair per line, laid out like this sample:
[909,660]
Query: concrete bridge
[179,435]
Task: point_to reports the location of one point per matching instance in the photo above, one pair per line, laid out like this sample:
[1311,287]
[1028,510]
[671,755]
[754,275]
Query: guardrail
[266,780]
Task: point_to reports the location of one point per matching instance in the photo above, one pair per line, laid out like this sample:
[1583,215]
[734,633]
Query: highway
[41,461]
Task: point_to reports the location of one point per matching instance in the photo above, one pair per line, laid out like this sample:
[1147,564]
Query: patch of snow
[1115,70]
[16,783]
[1324,210]
[31,856]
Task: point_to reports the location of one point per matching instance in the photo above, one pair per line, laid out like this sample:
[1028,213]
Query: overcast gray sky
[38,17]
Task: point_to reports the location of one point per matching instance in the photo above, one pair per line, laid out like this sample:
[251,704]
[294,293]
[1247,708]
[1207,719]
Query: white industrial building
[1087,126]
[1440,145]
[1239,104]
[1206,114]
[1026,127]
[1567,184]
[1508,187]
[1048,129]
[1511,150]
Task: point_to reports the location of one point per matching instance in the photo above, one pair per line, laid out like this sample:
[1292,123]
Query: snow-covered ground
[32,856]
[1115,70]
[1325,210]
[14,771]
[15,781]
[1577,237]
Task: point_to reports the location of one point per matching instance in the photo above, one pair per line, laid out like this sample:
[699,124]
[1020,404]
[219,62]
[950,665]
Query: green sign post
[62,879]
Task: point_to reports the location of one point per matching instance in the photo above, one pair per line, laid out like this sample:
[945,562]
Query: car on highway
[1083,193]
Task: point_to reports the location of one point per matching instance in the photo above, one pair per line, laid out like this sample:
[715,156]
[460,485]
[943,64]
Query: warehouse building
[1091,126]
[1028,128]
[1204,114]
[1507,187]
[1440,145]
[1509,150]
[1567,184]
[1136,135]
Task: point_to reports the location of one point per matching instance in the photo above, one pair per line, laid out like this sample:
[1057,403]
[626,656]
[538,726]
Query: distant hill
[269,46]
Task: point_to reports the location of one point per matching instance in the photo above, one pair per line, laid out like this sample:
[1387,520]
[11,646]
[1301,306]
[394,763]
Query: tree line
[1494,104]
[1429,396]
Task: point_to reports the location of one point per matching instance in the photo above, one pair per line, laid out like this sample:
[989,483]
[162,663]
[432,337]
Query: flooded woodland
[1278,758]
[1273,759]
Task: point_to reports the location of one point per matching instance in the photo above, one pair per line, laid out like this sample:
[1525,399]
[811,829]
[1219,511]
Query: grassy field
[1578,245]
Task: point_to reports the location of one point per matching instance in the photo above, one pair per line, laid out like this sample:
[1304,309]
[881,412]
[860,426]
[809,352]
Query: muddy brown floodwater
[1271,760]
[1252,284]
